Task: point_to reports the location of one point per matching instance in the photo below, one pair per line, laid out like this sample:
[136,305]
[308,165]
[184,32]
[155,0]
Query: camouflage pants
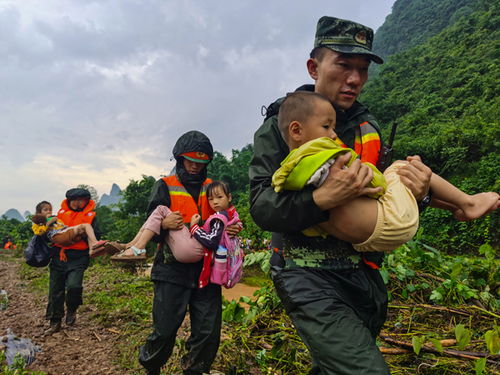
[338,315]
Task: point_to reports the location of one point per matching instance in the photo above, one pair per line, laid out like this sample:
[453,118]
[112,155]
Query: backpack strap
[217,215]
[272,109]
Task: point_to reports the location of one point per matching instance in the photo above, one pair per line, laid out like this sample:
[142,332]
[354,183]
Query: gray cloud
[97,92]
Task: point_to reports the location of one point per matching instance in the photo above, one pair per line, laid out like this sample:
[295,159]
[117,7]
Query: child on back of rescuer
[60,234]
[307,123]
[187,245]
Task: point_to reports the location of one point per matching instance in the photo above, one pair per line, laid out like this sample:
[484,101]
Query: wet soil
[237,291]
[83,349]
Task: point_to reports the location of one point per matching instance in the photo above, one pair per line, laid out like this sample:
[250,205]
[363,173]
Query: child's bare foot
[480,204]
[97,248]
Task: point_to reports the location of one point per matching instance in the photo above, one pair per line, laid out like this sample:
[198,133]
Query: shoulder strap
[217,215]
[235,219]
[273,108]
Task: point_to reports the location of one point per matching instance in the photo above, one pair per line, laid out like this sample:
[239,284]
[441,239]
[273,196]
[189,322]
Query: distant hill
[113,198]
[13,214]
[412,22]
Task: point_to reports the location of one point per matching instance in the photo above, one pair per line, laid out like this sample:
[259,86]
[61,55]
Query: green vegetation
[413,22]
[443,95]
[439,305]
[19,233]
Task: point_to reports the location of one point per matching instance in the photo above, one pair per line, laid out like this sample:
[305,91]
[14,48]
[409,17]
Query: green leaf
[455,270]
[436,296]
[385,275]
[404,294]
[492,338]
[463,336]
[487,251]
[417,342]
[437,345]
[245,299]
[480,366]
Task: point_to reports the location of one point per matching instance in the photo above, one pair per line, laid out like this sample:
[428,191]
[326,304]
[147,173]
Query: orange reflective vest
[366,143]
[71,218]
[182,201]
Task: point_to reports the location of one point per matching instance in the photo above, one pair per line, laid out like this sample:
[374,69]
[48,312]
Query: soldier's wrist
[425,201]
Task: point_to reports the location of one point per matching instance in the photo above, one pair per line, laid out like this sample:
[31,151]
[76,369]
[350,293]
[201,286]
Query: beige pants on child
[397,218]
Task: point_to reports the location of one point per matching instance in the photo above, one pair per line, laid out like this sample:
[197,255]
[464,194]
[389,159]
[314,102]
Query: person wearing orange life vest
[69,264]
[176,284]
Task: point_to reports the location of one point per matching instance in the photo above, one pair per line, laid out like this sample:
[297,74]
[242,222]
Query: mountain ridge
[114,197]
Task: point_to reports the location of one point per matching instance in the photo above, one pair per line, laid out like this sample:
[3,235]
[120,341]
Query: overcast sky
[96,92]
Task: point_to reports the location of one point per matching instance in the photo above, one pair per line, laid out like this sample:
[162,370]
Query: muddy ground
[84,349]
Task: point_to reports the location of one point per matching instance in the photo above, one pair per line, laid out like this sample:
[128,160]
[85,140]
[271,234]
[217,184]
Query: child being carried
[188,245]
[307,123]
[44,223]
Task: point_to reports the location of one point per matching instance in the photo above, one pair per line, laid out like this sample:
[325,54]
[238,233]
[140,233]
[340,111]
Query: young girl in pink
[212,235]
[188,246]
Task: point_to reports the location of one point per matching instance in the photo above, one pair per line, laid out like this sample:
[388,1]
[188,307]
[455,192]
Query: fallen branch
[97,337]
[394,351]
[444,343]
[486,311]
[432,307]
[423,274]
[449,352]
[70,337]
[442,308]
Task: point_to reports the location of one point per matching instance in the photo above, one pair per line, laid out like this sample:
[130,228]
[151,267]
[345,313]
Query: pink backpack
[227,267]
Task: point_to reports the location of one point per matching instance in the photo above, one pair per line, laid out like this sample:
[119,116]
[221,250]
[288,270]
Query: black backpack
[38,252]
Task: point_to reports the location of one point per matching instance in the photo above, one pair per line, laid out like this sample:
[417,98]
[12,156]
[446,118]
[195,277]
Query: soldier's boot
[70,317]
[55,326]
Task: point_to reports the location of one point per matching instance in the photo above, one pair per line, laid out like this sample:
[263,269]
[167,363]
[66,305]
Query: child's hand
[195,219]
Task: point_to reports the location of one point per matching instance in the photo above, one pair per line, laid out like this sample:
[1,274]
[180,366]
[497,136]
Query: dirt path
[237,291]
[84,349]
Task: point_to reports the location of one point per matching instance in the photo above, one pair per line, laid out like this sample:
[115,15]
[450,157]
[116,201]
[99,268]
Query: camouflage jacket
[289,212]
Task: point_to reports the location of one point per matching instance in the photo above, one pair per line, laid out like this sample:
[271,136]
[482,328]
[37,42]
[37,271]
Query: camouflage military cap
[345,37]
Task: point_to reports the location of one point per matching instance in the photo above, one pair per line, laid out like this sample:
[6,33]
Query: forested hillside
[443,94]
[412,22]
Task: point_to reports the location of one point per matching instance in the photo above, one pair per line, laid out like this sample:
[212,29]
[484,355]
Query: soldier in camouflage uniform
[335,296]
